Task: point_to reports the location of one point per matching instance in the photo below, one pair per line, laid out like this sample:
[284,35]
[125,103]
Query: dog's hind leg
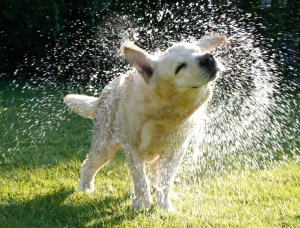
[96,159]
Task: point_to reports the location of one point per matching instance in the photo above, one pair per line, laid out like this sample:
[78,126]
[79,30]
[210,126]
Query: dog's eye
[180,66]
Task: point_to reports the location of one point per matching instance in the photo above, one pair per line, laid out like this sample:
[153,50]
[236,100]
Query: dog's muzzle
[208,62]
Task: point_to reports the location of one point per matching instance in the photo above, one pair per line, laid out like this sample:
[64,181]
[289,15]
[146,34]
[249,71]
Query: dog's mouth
[210,76]
[213,75]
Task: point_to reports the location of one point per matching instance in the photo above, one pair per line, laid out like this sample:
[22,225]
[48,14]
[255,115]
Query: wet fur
[150,113]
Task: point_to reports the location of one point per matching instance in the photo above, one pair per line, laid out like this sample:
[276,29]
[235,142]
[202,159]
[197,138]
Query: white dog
[149,112]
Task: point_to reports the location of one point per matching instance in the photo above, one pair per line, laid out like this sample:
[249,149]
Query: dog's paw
[140,204]
[167,207]
[84,187]
[170,209]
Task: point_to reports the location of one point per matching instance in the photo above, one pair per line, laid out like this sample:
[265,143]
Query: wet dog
[150,113]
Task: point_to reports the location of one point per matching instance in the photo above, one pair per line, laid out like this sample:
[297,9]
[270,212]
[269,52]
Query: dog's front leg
[168,168]
[142,197]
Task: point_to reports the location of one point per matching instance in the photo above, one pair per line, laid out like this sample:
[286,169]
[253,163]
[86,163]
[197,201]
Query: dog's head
[184,66]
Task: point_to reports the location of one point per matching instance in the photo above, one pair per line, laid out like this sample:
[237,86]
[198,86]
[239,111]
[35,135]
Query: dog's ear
[139,58]
[208,43]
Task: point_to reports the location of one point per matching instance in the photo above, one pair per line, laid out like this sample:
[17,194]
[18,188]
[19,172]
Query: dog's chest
[161,129]
[159,135]
[155,139]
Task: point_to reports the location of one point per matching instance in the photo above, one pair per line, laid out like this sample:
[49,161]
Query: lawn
[42,148]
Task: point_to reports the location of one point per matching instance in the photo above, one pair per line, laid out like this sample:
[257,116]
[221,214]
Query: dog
[150,113]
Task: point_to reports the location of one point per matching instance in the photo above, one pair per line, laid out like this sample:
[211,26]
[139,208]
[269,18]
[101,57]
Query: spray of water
[252,120]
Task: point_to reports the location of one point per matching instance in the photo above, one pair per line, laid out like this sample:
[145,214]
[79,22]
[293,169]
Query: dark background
[30,28]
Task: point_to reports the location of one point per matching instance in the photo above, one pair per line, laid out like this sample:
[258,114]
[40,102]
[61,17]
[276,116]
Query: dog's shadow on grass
[56,210]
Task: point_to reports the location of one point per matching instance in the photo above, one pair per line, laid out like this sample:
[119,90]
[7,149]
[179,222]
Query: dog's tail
[85,106]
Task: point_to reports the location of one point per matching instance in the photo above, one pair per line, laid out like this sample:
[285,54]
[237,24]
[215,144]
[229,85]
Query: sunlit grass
[40,163]
[48,196]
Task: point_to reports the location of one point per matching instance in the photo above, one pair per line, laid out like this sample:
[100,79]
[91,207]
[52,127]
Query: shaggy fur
[149,112]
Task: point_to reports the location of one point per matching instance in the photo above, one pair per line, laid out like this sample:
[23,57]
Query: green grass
[40,157]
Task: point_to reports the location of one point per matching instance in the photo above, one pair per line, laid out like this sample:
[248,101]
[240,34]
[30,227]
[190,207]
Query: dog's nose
[207,60]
